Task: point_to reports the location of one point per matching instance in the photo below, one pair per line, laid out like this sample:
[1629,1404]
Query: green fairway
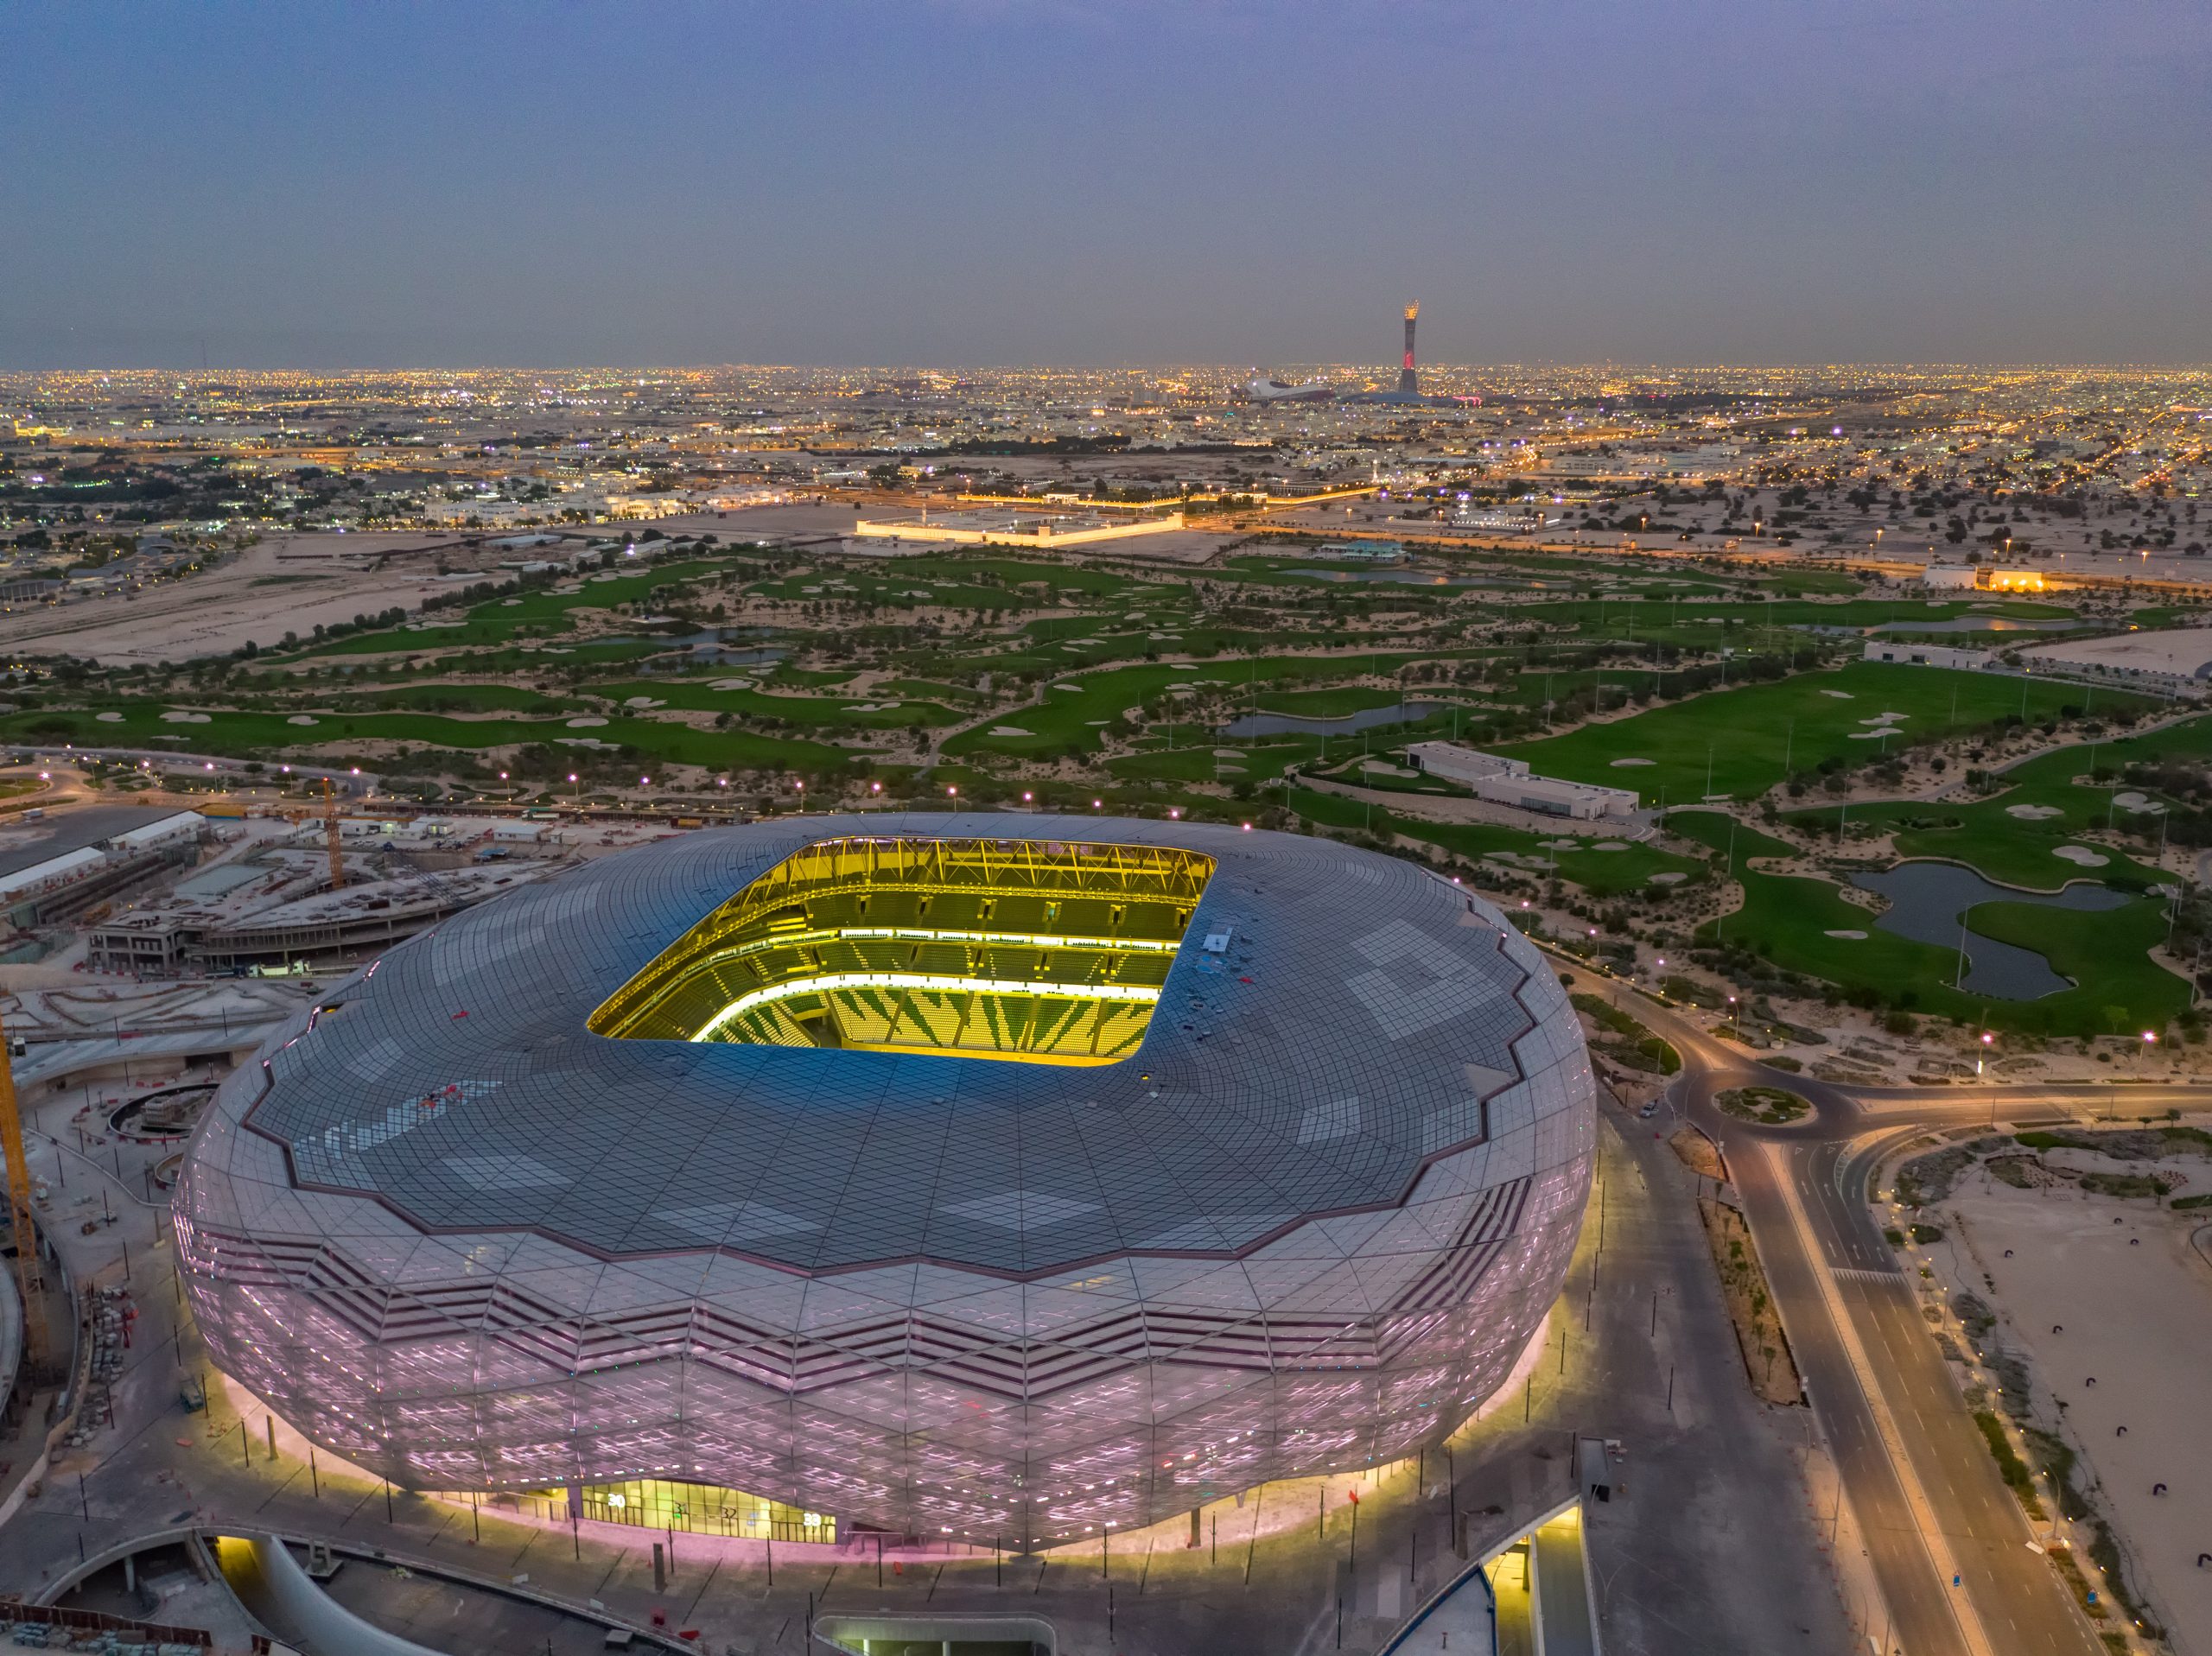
[1076,709]
[1802,924]
[465,698]
[801,712]
[1602,873]
[1198,761]
[1731,744]
[2014,837]
[255,735]
[545,611]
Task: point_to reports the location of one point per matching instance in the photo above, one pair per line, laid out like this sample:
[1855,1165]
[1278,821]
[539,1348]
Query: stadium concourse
[1001,1177]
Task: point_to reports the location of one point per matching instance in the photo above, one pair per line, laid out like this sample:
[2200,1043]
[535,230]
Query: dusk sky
[1640,180]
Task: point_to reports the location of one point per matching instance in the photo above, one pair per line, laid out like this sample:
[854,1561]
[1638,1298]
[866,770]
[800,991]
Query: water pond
[1299,723]
[1931,903]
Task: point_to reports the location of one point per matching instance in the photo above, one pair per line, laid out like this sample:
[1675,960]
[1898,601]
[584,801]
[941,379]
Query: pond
[699,649]
[1929,900]
[1299,723]
[1977,624]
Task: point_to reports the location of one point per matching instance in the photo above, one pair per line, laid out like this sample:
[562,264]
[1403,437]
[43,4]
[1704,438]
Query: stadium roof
[1340,1036]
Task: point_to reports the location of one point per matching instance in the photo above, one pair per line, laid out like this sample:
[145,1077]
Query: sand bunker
[1849,936]
[1840,695]
[1669,877]
[1009,730]
[589,721]
[186,719]
[1623,764]
[302,718]
[2082,855]
[109,718]
[2135,804]
[2033,813]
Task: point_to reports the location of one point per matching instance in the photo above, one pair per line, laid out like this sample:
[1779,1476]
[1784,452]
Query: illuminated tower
[1408,382]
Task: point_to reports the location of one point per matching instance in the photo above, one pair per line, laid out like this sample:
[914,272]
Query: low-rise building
[1926,654]
[1509,782]
[1951,577]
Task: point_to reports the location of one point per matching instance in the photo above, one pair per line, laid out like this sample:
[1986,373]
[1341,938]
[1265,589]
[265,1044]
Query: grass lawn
[497,620]
[1195,761]
[962,583]
[803,712]
[462,698]
[1798,583]
[2018,849]
[264,735]
[1601,874]
[1739,738]
[1787,919]
[1076,709]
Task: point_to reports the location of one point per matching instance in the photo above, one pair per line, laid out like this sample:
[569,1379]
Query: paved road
[1949,1541]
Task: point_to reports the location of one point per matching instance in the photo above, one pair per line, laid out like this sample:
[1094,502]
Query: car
[1649,1110]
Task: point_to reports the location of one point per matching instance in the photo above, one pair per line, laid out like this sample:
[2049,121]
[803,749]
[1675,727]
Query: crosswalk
[1858,1273]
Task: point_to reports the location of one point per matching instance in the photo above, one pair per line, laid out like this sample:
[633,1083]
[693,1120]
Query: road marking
[1931,1534]
[1862,1273]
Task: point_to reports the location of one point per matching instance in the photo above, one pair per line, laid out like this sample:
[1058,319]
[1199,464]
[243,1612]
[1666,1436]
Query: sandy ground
[2135,1300]
[289,583]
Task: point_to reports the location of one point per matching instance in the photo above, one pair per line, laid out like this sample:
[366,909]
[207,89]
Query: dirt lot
[289,583]
[2134,1298]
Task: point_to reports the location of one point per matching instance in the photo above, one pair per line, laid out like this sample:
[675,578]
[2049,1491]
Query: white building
[1951,577]
[1508,782]
[1926,654]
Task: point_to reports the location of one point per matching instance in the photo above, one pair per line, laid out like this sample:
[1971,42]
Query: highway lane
[2020,1600]
[1922,1618]
[1946,1512]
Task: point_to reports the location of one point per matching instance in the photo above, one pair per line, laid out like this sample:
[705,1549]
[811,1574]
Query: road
[1949,1543]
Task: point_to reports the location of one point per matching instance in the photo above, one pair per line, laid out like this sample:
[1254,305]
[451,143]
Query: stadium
[987,1175]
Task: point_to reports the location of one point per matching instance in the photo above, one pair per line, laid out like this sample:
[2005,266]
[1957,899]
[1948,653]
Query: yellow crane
[28,1277]
[330,835]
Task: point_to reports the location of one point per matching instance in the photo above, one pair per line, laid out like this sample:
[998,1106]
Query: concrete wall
[329,1626]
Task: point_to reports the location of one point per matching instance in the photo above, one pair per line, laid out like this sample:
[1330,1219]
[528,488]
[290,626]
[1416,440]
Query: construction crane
[330,835]
[28,1277]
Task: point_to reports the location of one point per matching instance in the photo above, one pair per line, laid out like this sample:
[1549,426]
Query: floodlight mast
[330,835]
[28,1276]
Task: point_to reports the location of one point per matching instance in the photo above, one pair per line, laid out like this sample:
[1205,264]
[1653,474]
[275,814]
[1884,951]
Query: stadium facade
[1000,1177]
